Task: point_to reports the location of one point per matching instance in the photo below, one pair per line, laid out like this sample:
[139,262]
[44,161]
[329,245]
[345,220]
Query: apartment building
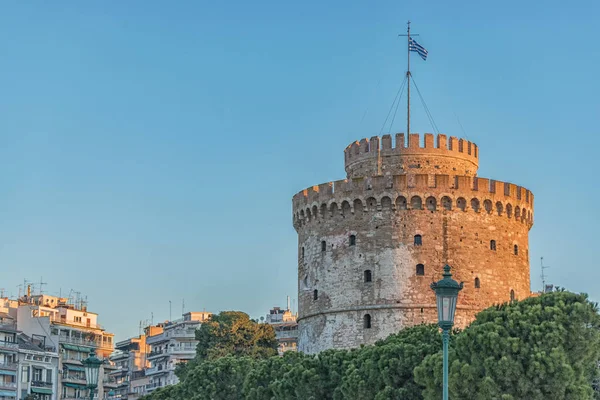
[9,351]
[286,328]
[74,332]
[130,359]
[174,345]
[37,368]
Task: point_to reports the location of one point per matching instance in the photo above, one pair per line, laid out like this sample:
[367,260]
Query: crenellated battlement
[437,154]
[478,194]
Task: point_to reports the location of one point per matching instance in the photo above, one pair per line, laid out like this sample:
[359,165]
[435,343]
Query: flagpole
[408,81]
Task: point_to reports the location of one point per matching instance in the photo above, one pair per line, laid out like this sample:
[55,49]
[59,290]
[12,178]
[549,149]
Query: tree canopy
[234,333]
[544,347]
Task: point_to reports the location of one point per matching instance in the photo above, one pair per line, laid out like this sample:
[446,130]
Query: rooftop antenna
[151,318]
[288,303]
[182,306]
[2,292]
[23,286]
[42,283]
[170,317]
[543,274]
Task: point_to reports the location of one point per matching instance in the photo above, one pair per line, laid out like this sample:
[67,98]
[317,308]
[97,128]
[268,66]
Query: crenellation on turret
[380,155]
[429,141]
[442,141]
[400,141]
[386,142]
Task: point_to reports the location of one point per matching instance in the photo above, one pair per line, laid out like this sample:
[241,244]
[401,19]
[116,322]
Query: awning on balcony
[74,368]
[10,373]
[41,390]
[73,347]
[6,393]
[74,385]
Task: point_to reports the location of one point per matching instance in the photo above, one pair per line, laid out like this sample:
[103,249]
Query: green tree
[230,333]
[313,377]
[385,371]
[544,347]
[234,333]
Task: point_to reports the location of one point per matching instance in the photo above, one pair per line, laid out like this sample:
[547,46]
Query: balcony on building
[74,374]
[8,365]
[153,386]
[41,388]
[86,339]
[110,382]
[8,338]
[161,337]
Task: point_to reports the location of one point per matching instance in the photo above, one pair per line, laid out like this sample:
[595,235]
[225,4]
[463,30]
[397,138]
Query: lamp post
[446,293]
[92,371]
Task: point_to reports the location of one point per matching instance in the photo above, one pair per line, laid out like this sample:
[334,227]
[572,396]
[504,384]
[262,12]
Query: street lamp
[446,293]
[92,370]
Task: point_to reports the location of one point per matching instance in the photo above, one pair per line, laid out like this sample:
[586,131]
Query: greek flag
[414,46]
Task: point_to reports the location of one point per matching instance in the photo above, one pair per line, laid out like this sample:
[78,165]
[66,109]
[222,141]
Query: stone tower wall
[457,219]
[379,156]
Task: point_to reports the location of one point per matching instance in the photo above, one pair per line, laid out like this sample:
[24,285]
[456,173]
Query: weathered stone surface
[459,217]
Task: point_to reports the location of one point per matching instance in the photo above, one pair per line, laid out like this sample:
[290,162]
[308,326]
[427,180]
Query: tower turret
[437,155]
[370,245]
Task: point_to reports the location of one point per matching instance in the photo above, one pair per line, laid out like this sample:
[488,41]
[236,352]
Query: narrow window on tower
[352,240]
[512,295]
[516,250]
[315,294]
[493,245]
[323,245]
[368,275]
[418,240]
[367,321]
[477,283]
[420,269]
[302,251]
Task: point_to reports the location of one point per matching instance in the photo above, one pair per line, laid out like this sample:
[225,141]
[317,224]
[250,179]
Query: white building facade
[176,344]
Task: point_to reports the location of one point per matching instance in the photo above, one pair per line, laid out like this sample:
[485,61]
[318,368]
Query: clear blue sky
[150,150]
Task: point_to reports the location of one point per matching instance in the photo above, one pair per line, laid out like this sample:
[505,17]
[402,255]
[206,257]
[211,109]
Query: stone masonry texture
[369,246]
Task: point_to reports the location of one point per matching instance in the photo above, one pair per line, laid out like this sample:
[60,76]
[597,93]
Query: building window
[477,283]
[302,251]
[487,204]
[516,250]
[367,321]
[420,269]
[352,240]
[37,374]
[77,319]
[418,240]
[401,203]
[431,203]
[446,203]
[323,245]
[493,245]
[368,276]
[415,203]
[512,295]
[315,294]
